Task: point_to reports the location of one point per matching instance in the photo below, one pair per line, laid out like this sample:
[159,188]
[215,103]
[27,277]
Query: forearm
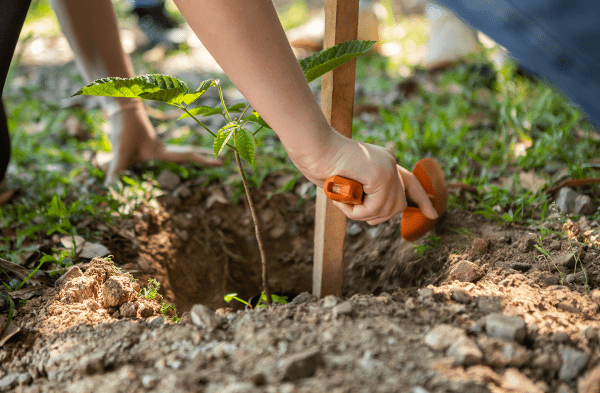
[246,38]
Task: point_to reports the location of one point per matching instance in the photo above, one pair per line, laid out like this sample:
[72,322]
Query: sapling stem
[256,228]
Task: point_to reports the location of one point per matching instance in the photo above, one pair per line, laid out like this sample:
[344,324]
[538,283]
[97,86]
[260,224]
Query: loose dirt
[473,307]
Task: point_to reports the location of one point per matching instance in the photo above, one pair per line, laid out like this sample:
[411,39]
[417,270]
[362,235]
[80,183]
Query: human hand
[385,183]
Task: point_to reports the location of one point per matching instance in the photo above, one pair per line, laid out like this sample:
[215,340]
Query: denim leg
[12,17]
[559,40]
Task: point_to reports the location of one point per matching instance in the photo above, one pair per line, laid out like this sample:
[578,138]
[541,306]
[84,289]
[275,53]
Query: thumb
[416,193]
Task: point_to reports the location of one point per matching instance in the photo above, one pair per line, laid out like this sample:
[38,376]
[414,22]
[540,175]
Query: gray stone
[344,308]
[572,203]
[149,381]
[466,271]
[577,278]
[515,381]
[304,297]
[330,301]
[565,261]
[302,365]
[205,317]
[499,353]
[183,192]
[555,245]
[73,272]
[489,304]
[460,295]
[425,292]
[506,327]
[573,362]
[158,321]
[442,336]
[465,352]
[168,180]
[419,389]
[353,229]
[564,388]
[12,380]
[526,242]
[93,250]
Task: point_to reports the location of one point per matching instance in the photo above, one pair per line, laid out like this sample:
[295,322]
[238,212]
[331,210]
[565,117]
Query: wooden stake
[337,102]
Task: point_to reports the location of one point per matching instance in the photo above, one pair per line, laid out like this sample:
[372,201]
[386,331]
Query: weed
[262,299]
[429,243]
[11,310]
[238,133]
[547,254]
[151,293]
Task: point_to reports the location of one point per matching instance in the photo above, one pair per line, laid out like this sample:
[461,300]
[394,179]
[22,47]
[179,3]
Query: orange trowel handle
[348,191]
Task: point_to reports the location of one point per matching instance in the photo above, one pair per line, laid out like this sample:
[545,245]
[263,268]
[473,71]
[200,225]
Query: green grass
[471,122]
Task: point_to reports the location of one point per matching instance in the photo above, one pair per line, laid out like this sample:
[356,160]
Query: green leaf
[255,118]
[318,64]
[203,111]
[236,108]
[56,208]
[205,85]
[170,96]
[132,87]
[223,136]
[244,143]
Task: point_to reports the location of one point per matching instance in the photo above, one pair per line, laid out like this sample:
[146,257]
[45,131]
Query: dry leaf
[531,181]
[5,196]
[11,331]
[22,273]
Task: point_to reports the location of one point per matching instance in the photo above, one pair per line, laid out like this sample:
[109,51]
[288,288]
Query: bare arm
[246,38]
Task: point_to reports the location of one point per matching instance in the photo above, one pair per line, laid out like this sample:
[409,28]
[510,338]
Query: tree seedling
[236,134]
[151,293]
[263,298]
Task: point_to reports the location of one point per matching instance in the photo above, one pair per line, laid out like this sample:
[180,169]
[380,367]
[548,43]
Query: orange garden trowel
[414,223]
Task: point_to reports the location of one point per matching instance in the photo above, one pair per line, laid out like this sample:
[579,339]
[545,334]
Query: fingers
[417,194]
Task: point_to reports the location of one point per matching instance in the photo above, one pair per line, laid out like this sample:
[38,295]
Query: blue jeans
[557,39]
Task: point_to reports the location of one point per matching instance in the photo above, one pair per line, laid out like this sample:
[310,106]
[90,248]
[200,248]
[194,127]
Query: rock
[590,382]
[116,291]
[330,301]
[353,229]
[128,310]
[158,321]
[168,180]
[564,388]
[546,362]
[555,245]
[480,246]
[483,374]
[498,353]
[489,304]
[146,311]
[466,271]
[304,189]
[506,327]
[515,381]
[186,318]
[573,362]
[570,202]
[419,389]
[442,336]
[465,352]
[578,278]
[204,317]
[425,292]
[302,365]
[72,273]
[79,289]
[522,267]
[304,297]
[565,261]
[8,382]
[526,242]
[344,308]
[460,295]
[183,192]
[149,381]
[93,250]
